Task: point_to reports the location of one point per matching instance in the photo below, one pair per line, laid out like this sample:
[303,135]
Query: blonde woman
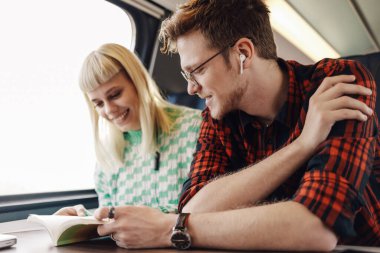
[144,145]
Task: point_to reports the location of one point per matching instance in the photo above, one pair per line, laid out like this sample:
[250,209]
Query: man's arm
[280,226]
[251,184]
[328,105]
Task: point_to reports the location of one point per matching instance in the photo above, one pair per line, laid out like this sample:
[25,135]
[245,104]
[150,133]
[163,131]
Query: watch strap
[182,221]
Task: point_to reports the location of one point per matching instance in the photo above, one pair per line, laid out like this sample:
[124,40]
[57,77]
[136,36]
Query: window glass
[45,131]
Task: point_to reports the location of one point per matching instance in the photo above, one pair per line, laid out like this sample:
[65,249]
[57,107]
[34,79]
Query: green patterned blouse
[138,182]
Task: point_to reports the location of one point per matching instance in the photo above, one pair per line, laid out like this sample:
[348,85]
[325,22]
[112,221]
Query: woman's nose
[109,108]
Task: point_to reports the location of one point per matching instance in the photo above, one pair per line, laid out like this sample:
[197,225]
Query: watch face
[180,239]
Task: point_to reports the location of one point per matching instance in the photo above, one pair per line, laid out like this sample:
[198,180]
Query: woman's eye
[98,104]
[115,95]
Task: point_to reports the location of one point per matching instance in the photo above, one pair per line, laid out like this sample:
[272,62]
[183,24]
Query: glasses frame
[189,77]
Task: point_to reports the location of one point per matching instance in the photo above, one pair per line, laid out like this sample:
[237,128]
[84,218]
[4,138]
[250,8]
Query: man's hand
[137,226]
[77,210]
[331,103]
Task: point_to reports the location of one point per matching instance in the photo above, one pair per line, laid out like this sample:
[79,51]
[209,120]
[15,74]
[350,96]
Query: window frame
[17,207]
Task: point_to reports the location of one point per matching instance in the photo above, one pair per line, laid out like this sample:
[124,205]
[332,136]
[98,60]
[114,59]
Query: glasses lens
[189,77]
[185,75]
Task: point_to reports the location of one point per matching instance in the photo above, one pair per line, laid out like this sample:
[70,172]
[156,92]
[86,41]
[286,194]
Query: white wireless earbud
[242,59]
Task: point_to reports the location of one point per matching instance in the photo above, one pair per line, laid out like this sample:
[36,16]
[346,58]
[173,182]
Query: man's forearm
[252,184]
[281,226]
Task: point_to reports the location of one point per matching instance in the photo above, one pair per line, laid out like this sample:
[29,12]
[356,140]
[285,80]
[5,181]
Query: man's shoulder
[337,66]
[324,68]
[308,77]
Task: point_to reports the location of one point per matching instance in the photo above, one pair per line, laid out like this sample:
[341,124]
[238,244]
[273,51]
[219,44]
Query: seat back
[182,98]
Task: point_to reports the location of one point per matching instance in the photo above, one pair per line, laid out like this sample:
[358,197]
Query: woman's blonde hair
[98,68]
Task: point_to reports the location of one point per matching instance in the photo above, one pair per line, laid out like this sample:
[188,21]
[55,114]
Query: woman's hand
[137,226]
[77,210]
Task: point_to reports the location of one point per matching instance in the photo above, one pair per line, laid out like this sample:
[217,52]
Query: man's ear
[246,49]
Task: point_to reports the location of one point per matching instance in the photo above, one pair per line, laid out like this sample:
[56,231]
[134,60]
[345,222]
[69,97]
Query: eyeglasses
[189,75]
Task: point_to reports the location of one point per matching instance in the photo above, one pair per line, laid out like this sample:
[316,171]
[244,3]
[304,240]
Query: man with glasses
[272,127]
[288,154]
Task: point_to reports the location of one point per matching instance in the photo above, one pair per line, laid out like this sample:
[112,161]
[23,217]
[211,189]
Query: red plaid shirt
[340,183]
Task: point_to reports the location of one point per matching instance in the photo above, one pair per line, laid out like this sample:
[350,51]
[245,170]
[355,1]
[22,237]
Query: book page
[67,227]
[78,233]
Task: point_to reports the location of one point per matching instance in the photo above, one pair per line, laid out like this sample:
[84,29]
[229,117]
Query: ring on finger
[111,212]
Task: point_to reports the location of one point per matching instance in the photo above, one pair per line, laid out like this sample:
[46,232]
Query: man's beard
[230,103]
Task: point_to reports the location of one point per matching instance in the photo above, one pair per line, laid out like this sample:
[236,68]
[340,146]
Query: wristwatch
[180,237]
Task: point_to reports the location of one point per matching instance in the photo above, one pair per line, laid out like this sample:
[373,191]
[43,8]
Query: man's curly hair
[222,22]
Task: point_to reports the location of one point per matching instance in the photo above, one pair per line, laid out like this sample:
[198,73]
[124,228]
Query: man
[286,159]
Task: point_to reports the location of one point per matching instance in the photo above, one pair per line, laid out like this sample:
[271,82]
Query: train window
[45,131]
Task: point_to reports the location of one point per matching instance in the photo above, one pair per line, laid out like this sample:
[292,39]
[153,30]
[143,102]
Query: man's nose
[192,88]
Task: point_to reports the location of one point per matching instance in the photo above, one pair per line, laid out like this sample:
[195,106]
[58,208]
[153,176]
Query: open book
[68,229]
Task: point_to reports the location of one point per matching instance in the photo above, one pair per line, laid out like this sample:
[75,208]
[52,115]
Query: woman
[144,145]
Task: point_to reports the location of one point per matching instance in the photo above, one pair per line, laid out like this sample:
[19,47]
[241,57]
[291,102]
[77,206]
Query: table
[38,241]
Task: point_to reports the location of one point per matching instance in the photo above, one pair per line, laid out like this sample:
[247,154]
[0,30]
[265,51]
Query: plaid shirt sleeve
[334,184]
[210,159]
